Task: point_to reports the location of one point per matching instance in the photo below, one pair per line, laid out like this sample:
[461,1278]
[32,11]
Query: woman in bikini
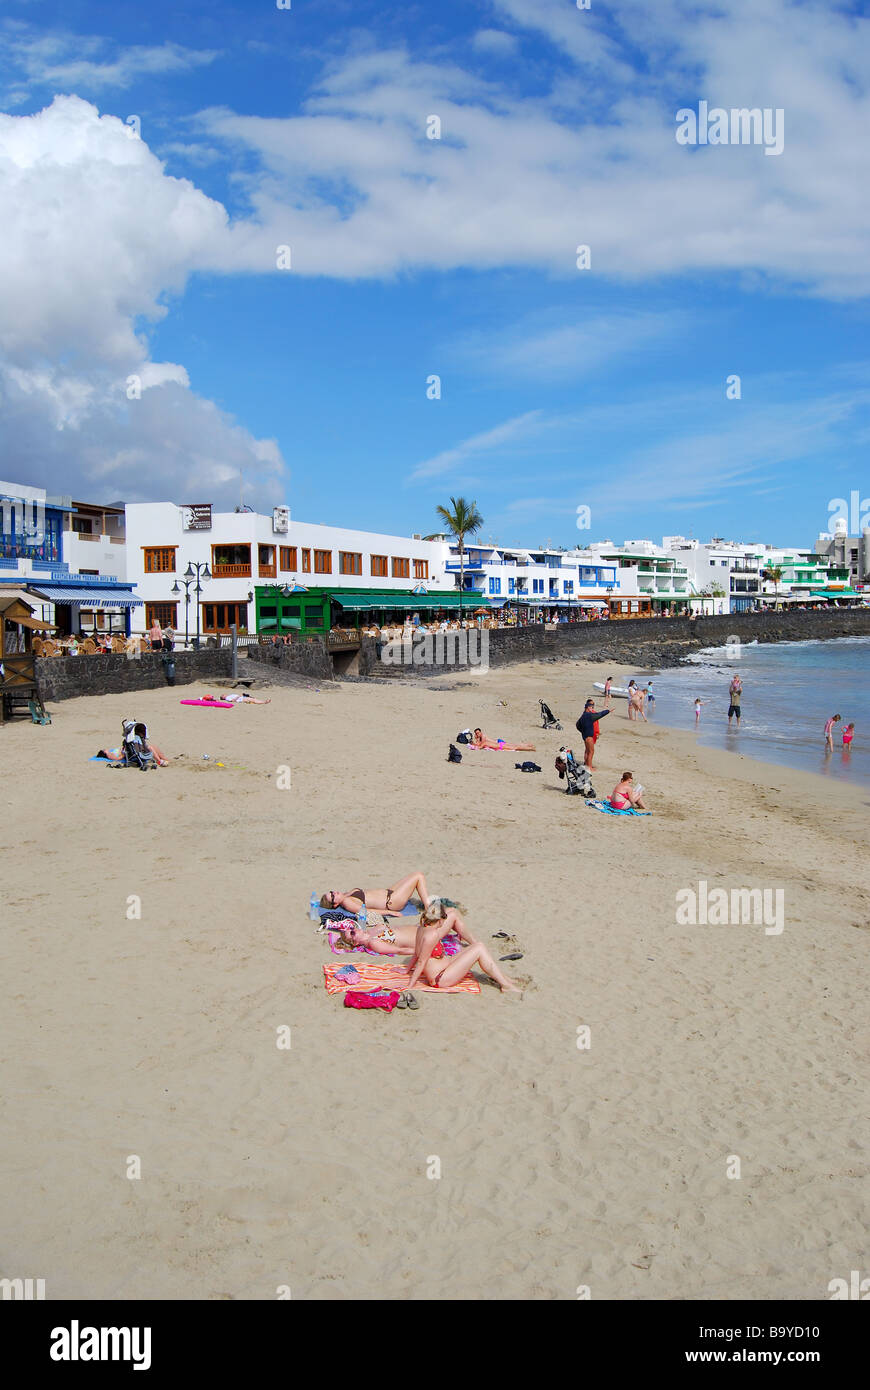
[401,940]
[440,971]
[480,740]
[390,901]
[624,797]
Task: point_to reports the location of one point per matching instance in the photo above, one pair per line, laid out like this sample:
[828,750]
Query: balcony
[232,571]
[268,571]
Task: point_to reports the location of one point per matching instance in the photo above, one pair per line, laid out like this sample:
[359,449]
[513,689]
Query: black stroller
[578,781]
[548,718]
[135,746]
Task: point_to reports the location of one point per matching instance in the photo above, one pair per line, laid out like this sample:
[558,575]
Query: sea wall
[306,657]
[652,642]
[65,677]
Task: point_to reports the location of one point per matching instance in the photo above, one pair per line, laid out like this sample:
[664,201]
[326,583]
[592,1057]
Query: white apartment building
[67,558]
[255,562]
[543,582]
[649,580]
[845,552]
[726,575]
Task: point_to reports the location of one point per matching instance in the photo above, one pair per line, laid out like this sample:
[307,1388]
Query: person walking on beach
[632,687]
[735,690]
[607,684]
[650,697]
[829,732]
[636,701]
[586,724]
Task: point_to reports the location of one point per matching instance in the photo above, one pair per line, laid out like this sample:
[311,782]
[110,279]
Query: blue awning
[95,596]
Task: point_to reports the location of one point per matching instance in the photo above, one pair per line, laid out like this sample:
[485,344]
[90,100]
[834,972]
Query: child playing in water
[698,704]
[848,733]
[829,731]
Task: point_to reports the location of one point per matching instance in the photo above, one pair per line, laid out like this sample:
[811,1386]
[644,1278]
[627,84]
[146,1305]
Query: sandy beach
[562,1166]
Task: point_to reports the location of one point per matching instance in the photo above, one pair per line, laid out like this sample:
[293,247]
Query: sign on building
[280,520]
[196,517]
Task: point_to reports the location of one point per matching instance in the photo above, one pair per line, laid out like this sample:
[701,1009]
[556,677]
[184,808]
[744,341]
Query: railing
[343,640]
[267,571]
[231,571]
[84,536]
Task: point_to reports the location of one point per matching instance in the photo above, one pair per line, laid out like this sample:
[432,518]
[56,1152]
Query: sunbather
[390,901]
[401,939]
[480,740]
[625,797]
[442,971]
[242,698]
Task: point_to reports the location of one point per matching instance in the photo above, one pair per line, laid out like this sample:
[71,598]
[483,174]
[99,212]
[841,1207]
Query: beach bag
[378,999]
[464,737]
[454,755]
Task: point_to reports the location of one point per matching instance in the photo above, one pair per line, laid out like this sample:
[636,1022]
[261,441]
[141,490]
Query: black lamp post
[193,576]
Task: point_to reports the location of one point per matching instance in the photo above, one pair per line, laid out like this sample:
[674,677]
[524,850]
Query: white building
[66,557]
[535,581]
[725,574]
[252,558]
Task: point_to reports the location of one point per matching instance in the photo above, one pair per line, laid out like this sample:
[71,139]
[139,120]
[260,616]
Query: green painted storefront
[316,610]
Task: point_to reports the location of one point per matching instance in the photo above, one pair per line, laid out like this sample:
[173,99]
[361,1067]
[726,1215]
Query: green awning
[358,601]
[835,593]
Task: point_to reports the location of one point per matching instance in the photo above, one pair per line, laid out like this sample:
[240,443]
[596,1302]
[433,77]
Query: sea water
[789,690]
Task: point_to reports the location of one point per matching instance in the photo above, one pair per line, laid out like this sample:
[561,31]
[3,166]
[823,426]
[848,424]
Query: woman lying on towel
[401,940]
[625,797]
[480,740]
[235,699]
[387,900]
[441,971]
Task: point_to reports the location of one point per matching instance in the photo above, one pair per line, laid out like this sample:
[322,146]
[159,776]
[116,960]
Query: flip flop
[402,1001]
[413,1001]
[514,955]
[505,934]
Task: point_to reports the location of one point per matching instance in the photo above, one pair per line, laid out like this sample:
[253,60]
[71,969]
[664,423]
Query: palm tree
[774,574]
[461,519]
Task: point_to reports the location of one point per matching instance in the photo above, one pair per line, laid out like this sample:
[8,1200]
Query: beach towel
[209,704]
[609,810]
[393,977]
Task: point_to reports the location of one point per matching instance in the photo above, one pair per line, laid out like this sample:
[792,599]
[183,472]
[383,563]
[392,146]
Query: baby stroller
[578,781]
[135,745]
[548,718]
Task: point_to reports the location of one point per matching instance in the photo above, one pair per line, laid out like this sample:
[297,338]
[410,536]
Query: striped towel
[389,977]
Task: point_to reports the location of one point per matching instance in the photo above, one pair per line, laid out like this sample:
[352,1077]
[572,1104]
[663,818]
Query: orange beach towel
[389,977]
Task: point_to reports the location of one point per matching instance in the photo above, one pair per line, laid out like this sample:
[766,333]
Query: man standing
[586,724]
[735,690]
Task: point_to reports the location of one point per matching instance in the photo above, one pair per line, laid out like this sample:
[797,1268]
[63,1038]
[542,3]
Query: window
[567,586]
[379,566]
[306,562]
[537,586]
[495,586]
[266,561]
[512,586]
[288,558]
[159,559]
[314,615]
[349,562]
[89,571]
[231,561]
[401,568]
[323,562]
[165,613]
[219,617]
[83,525]
[421,569]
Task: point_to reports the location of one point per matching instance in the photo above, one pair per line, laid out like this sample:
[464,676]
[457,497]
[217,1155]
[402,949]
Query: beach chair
[38,713]
[88,647]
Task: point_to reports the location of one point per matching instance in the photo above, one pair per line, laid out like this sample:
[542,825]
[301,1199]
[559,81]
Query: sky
[327,255]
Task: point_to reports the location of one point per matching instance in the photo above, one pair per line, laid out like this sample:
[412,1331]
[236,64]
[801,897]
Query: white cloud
[94,238]
[454,460]
[495,42]
[89,62]
[356,188]
[550,349]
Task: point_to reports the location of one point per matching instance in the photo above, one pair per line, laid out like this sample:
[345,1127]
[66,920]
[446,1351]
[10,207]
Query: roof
[355,600]
[95,595]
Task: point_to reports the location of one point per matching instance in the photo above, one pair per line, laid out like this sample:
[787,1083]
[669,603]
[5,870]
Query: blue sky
[154,260]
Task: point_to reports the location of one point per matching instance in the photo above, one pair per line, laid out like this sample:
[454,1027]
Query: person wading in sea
[735,690]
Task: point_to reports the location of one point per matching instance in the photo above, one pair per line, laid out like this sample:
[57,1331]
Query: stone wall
[652,642]
[65,677]
[305,657]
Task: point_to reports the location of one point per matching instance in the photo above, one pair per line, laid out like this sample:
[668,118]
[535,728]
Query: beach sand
[306,1167]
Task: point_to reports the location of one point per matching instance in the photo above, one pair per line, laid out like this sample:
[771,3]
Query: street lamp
[193,576]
